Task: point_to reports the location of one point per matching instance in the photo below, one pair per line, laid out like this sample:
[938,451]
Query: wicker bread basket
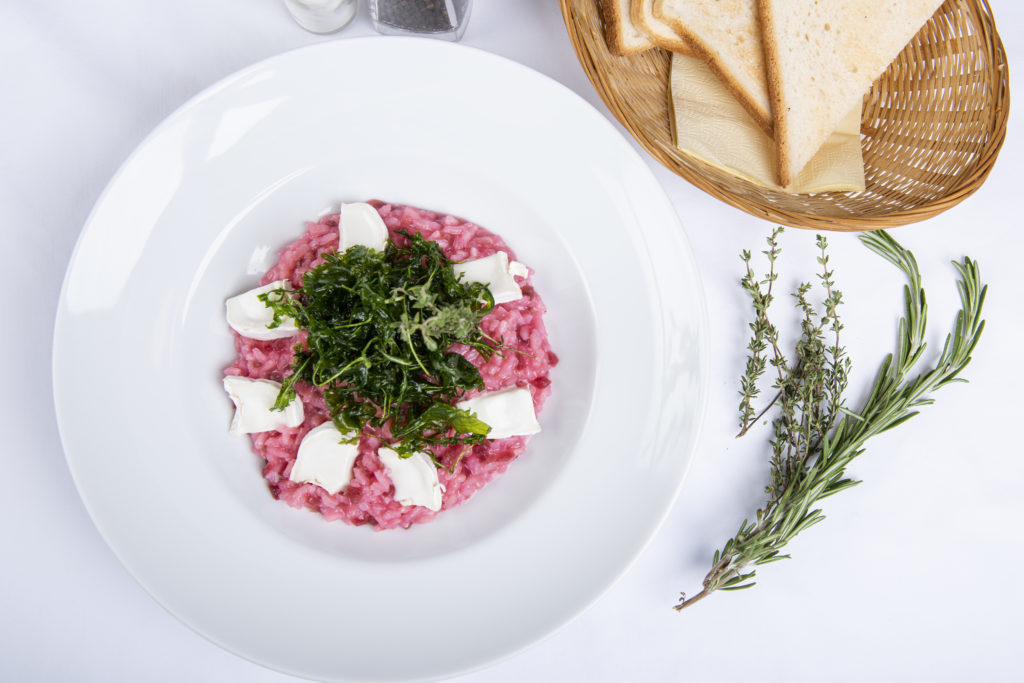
[931,128]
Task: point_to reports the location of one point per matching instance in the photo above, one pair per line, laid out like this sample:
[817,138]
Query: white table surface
[912,576]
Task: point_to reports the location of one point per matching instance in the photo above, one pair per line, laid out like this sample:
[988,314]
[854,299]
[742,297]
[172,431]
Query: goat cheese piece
[415,478]
[509,412]
[497,272]
[323,460]
[254,400]
[249,317]
[361,224]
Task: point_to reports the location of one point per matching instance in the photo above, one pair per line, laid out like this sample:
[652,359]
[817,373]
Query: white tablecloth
[912,577]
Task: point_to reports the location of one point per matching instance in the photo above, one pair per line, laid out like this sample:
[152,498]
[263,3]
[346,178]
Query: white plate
[198,212]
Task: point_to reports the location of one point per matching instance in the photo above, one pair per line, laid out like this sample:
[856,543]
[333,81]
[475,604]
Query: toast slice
[726,34]
[641,12]
[821,57]
[622,36]
[708,123]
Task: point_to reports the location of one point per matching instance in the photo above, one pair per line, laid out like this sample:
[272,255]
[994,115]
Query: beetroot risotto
[524,360]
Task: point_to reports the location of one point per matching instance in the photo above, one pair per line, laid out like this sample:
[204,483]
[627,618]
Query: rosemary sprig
[815,435]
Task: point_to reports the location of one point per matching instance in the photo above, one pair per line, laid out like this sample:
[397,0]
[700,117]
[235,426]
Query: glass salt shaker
[322,16]
[444,19]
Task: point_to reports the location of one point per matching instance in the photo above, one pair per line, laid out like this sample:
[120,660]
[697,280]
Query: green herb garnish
[381,327]
[815,437]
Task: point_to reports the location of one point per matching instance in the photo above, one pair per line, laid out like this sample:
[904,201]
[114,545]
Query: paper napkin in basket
[710,123]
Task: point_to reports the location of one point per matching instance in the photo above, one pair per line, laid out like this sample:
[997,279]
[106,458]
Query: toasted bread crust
[616,23]
[783,166]
[641,12]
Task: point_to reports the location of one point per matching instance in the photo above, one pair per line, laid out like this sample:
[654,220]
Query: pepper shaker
[444,19]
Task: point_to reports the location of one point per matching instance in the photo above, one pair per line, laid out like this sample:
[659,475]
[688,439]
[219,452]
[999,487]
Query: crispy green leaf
[380,326]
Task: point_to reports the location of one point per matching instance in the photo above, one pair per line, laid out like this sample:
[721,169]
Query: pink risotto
[369,496]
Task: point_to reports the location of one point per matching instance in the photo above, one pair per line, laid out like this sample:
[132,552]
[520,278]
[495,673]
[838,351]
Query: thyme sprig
[815,435]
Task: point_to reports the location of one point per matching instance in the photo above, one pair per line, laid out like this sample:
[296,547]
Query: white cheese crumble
[249,317]
[361,224]
[323,461]
[509,412]
[497,272]
[253,399]
[415,478]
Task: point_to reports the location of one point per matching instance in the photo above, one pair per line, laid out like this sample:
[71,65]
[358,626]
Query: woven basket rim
[969,178]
